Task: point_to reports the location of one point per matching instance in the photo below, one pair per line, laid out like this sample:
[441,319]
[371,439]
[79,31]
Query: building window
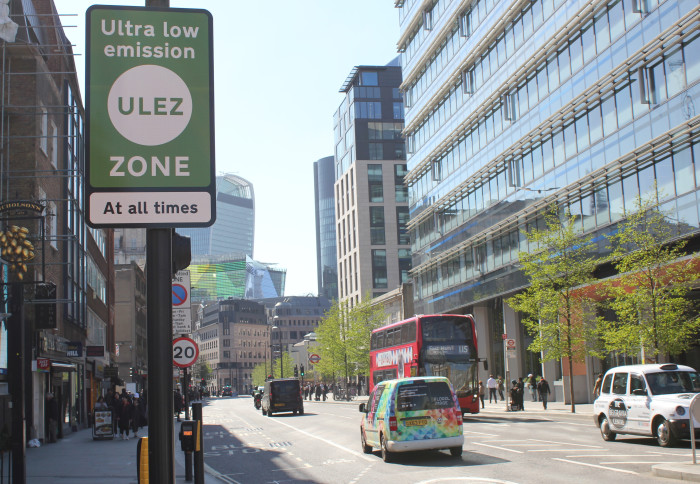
[509,107]
[428,19]
[465,24]
[468,84]
[44,126]
[398,110]
[227,354]
[54,144]
[379,275]
[368,110]
[369,79]
[376,223]
[402,218]
[404,265]
[376,151]
[374,180]
[227,343]
[400,190]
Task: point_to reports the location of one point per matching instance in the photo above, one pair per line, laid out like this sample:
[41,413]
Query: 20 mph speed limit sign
[185,352]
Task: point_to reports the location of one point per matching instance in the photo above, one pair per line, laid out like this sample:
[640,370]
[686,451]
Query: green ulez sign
[150,117]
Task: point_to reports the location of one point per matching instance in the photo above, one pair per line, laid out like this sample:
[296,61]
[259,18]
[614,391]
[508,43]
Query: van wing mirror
[363,408]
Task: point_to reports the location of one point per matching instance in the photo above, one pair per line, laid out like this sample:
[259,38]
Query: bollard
[142,461]
[199,447]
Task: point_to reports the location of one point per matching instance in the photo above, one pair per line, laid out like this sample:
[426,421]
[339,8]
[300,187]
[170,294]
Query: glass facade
[585,104]
[233,233]
[326,256]
[238,278]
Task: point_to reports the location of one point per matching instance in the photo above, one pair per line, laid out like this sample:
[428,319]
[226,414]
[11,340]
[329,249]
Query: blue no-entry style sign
[179,295]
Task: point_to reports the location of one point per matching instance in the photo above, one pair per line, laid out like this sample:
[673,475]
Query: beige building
[371,202]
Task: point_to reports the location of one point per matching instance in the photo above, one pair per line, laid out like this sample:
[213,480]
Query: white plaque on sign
[182,315]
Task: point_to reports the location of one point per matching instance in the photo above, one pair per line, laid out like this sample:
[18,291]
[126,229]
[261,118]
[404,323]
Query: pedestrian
[597,386]
[532,387]
[515,394]
[53,414]
[100,403]
[116,409]
[492,385]
[325,391]
[482,393]
[318,392]
[543,390]
[139,415]
[521,393]
[126,416]
[501,387]
[177,403]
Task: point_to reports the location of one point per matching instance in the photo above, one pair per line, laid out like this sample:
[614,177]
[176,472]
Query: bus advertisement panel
[434,345]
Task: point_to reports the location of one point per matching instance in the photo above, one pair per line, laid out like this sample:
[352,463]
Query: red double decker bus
[434,345]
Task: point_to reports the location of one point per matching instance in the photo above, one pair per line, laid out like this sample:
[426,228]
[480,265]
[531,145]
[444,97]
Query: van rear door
[426,410]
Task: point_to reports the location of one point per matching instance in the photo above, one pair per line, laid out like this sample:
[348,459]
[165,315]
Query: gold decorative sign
[16,249]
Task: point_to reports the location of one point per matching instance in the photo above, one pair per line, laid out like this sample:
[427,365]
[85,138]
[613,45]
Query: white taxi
[650,400]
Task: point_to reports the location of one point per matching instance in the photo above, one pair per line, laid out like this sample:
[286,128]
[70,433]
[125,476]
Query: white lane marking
[305,466]
[468,479]
[330,442]
[596,466]
[563,450]
[642,462]
[668,453]
[471,432]
[359,476]
[500,448]
[566,443]
[605,455]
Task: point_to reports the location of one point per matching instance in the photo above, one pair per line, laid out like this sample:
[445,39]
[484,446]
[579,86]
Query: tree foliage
[202,370]
[343,337]
[556,312]
[650,298]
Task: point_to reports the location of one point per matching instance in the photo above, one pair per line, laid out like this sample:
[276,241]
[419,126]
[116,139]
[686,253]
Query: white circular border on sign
[134,94]
[185,343]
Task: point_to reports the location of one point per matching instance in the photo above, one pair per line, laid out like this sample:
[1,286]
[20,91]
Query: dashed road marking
[596,466]
[499,448]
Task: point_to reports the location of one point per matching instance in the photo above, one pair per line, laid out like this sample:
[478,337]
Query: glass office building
[214,279]
[233,233]
[512,105]
[326,247]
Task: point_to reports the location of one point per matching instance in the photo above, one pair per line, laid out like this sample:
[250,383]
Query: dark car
[282,395]
[227,392]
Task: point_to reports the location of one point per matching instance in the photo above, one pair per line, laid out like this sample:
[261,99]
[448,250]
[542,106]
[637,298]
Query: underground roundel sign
[185,352]
[150,128]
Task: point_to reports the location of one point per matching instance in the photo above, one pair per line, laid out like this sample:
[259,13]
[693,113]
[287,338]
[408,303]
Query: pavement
[79,458]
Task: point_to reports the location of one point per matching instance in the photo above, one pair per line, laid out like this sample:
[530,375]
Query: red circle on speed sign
[185,352]
[510,344]
[314,358]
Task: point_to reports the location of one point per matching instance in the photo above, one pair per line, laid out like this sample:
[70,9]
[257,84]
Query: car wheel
[456,451]
[386,455]
[664,436]
[294,412]
[367,449]
[301,411]
[607,434]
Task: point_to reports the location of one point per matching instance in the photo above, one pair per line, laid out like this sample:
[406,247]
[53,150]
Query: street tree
[343,339]
[556,312]
[259,374]
[282,366]
[655,316]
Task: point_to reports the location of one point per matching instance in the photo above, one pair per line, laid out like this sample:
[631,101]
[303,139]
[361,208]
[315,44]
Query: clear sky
[278,66]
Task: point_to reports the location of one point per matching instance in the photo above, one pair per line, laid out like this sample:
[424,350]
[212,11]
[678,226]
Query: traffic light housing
[302,371]
[181,252]
[296,371]
[131,372]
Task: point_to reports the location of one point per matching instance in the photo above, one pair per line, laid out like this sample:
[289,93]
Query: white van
[650,400]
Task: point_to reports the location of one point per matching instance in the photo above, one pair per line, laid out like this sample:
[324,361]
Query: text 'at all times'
[141,208]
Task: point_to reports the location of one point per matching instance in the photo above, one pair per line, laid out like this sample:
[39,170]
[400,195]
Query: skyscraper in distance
[326,248]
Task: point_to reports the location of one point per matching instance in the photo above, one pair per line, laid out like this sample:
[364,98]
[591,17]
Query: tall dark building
[326,247]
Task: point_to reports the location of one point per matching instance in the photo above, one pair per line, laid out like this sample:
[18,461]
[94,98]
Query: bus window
[389,338]
[380,340]
[409,332]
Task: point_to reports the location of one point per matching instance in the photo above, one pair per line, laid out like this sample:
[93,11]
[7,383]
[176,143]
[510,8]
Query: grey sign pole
[694,411]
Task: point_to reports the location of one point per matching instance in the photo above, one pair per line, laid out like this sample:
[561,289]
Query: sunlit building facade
[371,202]
[514,105]
[326,247]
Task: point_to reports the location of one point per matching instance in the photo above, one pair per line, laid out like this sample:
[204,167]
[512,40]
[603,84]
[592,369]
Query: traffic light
[181,252]
[296,371]
[203,383]
[131,372]
[302,371]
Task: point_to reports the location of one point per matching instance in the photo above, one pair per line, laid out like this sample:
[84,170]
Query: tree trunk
[571,370]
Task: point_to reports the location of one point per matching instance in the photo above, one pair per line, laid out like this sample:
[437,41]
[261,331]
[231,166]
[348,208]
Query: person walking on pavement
[177,403]
[543,390]
[521,393]
[532,387]
[482,393]
[53,415]
[325,391]
[597,386]
[501,387]
[492,385]
[139,416]
[126,417]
